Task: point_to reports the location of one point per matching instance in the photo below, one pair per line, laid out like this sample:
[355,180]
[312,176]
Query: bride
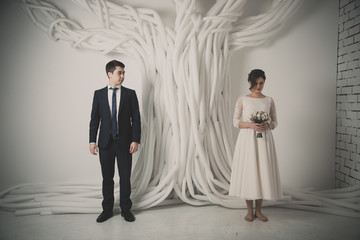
[255,172]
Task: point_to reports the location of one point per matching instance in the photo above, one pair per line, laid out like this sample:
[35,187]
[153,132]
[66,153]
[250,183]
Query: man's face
[117,77]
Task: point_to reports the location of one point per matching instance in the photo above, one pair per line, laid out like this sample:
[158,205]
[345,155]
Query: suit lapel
[106,100]
[122,98]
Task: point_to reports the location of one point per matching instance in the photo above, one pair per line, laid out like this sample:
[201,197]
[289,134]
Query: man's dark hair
[111,66]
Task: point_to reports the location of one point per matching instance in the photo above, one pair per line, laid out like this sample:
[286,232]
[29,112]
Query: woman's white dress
[255,171]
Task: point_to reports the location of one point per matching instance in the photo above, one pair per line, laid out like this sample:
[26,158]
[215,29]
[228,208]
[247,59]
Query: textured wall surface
[348,95]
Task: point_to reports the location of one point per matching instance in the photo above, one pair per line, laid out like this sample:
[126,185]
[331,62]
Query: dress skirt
[255,171]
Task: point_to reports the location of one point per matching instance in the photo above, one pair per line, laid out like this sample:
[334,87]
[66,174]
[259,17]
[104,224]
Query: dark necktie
[113,114]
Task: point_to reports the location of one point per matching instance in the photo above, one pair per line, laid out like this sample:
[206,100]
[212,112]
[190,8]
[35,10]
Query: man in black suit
[116,110]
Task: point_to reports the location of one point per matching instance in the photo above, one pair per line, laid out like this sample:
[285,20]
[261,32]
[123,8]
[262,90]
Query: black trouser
[124,161]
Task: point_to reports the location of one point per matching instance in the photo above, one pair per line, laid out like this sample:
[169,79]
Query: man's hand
[133,147]
[93,149]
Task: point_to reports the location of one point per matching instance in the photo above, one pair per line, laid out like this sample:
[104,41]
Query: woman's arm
[273,117]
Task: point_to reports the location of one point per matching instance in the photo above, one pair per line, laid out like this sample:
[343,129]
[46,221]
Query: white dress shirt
[118,95]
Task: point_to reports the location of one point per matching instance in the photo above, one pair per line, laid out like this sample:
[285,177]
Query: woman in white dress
[255,172]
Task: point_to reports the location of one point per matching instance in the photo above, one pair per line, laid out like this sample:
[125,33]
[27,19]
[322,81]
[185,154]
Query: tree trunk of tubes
[187,145]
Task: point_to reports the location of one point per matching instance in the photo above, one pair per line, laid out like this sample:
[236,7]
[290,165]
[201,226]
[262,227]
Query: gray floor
[182,222]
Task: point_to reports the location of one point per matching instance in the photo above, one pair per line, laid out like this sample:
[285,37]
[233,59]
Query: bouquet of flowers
[259,117]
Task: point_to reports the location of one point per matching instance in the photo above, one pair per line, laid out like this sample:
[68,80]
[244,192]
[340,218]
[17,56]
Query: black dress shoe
[104,216]
[128,216]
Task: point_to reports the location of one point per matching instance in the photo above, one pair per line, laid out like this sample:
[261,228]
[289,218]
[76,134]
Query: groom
[116,110]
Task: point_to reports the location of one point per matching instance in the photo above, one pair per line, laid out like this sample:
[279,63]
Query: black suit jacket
[128,120]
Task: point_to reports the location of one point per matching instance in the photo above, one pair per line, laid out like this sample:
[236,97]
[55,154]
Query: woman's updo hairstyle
[255,74]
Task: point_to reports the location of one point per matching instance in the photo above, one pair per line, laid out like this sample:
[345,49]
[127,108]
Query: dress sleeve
[273,116]
[237,112]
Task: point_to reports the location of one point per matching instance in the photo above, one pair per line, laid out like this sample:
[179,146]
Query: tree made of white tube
[187,145]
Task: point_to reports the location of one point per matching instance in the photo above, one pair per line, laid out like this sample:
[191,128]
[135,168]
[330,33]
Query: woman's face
[258,87]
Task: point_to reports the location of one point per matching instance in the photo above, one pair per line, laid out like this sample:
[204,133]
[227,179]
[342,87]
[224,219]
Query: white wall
[46,91]
[300,66]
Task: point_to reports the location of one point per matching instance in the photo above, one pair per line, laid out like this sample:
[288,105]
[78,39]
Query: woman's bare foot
[261,217]
[249,217]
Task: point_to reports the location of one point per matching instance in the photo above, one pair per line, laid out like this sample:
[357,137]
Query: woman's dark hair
[255,74]
[111,66]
